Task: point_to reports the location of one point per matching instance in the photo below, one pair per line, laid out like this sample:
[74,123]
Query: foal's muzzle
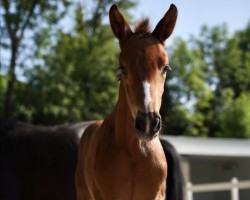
[147,125]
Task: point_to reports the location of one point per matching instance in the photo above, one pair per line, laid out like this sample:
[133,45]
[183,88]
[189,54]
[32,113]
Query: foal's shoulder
[92,128]
[89,133]
[95,125]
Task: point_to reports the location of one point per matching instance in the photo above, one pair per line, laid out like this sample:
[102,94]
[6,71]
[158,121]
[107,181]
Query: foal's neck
[124,131]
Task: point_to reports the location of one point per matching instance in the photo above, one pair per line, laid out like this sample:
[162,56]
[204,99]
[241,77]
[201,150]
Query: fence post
[235,189]
[189,191]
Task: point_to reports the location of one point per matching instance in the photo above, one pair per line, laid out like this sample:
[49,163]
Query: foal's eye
[122,71]
[166,69]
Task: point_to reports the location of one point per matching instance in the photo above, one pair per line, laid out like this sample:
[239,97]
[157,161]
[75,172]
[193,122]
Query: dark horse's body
[38,163]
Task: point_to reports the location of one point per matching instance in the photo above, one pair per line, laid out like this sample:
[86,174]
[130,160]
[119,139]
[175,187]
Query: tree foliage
[235,118]
[76,78]
[209,71]
[22,20]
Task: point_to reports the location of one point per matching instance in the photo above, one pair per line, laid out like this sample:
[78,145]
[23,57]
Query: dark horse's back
[38,163]
[175,179]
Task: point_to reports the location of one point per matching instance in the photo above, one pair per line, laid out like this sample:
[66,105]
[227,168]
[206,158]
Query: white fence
[234,186]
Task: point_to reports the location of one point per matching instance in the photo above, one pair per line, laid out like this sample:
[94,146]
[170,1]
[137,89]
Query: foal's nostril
[140,124]
[156,125]
[147,124]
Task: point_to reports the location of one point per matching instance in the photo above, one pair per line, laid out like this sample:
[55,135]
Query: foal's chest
[119,176]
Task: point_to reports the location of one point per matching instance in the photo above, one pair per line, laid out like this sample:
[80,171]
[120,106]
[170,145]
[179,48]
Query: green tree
[21,18]
[77,78]
[205,68]
[235,118]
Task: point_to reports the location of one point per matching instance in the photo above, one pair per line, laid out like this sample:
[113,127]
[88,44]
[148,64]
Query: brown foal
[122,157]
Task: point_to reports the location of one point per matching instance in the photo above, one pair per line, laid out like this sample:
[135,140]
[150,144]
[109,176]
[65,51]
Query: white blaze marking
[147,97]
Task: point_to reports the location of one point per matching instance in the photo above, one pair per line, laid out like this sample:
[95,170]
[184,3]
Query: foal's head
[143,66]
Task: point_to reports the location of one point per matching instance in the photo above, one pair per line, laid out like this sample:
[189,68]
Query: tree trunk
[8,103]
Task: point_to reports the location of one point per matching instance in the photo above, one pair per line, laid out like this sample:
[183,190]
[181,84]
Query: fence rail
[234,186]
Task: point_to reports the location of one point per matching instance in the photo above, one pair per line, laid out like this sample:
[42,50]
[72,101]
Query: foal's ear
[166,26]
[119,26]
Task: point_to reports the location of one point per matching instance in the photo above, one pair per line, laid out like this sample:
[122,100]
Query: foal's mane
[142,28]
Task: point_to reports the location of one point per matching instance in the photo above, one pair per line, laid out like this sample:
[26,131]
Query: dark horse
[121,157]
[38,163]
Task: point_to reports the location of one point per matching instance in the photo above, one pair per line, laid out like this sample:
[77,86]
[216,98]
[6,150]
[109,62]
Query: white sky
[195,13]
